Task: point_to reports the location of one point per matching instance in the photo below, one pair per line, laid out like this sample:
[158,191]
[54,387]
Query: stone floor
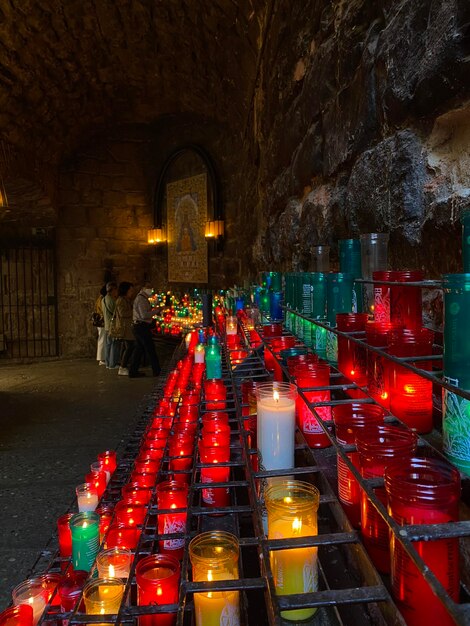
[55,417]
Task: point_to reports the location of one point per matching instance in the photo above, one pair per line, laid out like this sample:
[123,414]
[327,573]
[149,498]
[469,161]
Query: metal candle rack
[350,589]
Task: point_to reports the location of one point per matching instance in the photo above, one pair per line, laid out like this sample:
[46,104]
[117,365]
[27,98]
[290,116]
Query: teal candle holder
[339,295]
[456,329]
[350,263]
[85,539]
[319,282]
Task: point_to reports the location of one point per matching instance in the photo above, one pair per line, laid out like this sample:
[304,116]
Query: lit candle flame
[209,578]
[287,499]
[111,571]
[276,396]
[297,525]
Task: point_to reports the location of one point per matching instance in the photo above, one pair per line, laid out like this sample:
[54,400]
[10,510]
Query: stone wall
[360,124]
[105,209]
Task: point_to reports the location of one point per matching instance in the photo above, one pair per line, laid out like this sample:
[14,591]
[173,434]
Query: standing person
[109,304]
[142,315]
[101,343]
[123,326]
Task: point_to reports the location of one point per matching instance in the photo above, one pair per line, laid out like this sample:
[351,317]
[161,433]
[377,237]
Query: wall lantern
[214,229]
[156,236]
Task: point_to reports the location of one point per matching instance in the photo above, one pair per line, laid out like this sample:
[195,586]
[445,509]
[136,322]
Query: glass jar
[172,494]
[465,219]
[214,557]
[339,295]
[350,262]
[350,420]
[275,406]
[406,302]
[321,258]
[103,596]
[377,447]
[21,615]
[313,375]
[292,512]
[352,357]
[158,579]
[85,539]
[410,393]
[374,257]
[424,491]
[381,297]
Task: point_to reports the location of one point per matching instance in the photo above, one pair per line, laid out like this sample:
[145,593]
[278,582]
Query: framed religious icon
[186,219]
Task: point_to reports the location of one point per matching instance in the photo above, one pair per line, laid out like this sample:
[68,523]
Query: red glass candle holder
[215,497]
[151,453]
[146,466]
[119,536]
[215,394]
[314,376]
[170,384]
[49,581]
[158,579]
[190,397]
[98,480]
[220,416]
[197,373]
[277,345]
[105,512]
[410,394]
[188,412]
[144,480]
[70,588]
[135,495]
[377,447]
[271,330]
[378,385]
[352,357]
[381,297]
[130,514]
[424,491]
[172,494]
[300,359]
[65,536]
[237,357]
[107,460]
[406,307]
[349,420]
[21,615]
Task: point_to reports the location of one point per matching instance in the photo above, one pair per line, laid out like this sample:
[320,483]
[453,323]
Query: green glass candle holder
[318,281]
[85,539]
[456,329]
[339,295]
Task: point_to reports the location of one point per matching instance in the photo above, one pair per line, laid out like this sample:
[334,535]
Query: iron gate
[28,309]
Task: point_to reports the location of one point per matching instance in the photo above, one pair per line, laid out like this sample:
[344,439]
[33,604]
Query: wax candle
[105,511]
[215,393]
[98,477]
[130,514]
[214,557]
[103,596]
[292,512]
[32,593]
[172,495]
[87,497]
[114,563]
[158,578]
[21,615]
[424,491]
[276,424]
[85,539]
[406,302]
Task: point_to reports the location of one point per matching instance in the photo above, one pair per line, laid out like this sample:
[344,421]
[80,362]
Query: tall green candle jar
[85,539]
[339,295]
[456,410]
[318,280]
[350,263]
[465,219]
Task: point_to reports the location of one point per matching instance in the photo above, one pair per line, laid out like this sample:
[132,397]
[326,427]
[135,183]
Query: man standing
[142,322]
[109,304]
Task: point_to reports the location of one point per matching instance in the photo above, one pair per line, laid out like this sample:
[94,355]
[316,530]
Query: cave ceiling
[70,68]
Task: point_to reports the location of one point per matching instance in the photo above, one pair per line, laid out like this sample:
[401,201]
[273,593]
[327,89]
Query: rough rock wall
[361,124]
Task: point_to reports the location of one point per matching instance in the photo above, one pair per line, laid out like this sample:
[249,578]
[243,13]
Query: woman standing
[101,345]
[121,326]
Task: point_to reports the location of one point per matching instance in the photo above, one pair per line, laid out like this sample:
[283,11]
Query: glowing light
[276,396]
[111,571]
[296,525]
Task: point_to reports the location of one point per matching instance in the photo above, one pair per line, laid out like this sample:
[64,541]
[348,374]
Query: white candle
[276,430]
[87,498]
[199,353]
